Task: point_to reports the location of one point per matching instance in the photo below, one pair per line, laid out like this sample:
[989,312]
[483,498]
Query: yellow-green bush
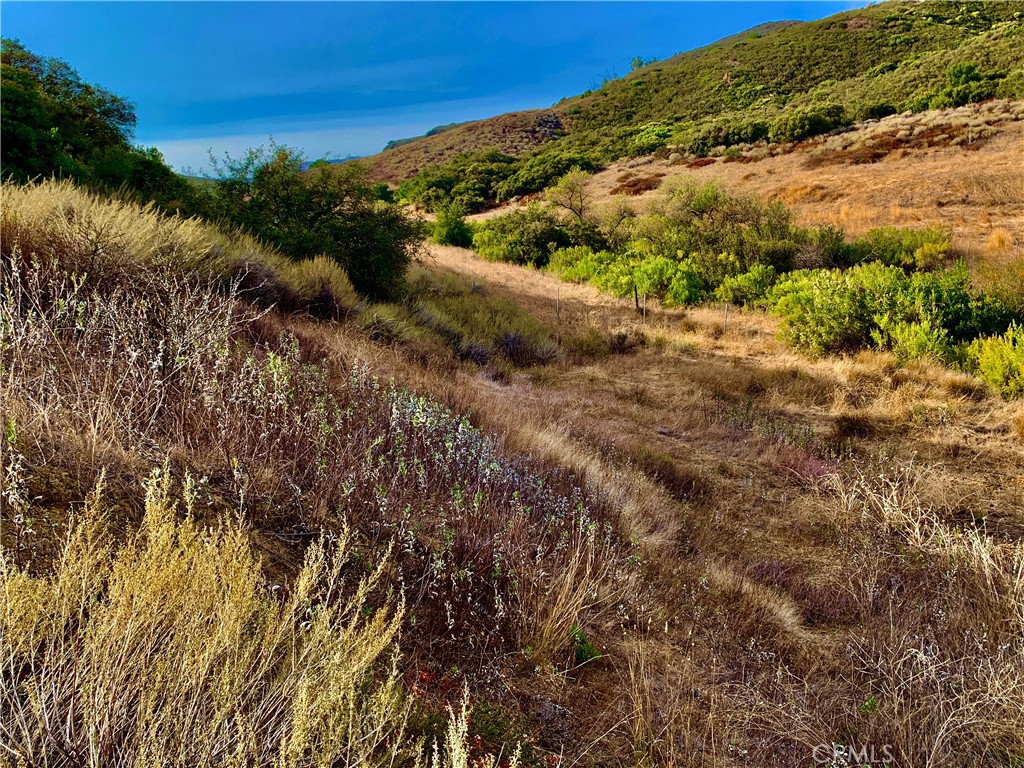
[1000,360]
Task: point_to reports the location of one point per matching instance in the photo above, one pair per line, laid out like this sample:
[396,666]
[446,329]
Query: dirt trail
[552,300]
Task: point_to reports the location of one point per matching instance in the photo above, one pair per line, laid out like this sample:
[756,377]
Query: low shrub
[749,288]
[921,249]
[450,228]
[800,124]
[579,264]
[924,313]
[540,171]
[468,181]
[526,237]
[1000,360]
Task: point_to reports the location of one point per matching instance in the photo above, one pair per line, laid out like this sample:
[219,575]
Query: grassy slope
[900,171]
[758,546]
[754,74]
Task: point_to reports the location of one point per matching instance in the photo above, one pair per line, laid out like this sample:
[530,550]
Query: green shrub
[924,313]
[578,263]
[267,193]
[686,289]
[827,311]
[583,649]
[800,124]
[526,237]
[1000,360]
[450,228]
[650,137]
[468,180]
[540,171]
[920,339]
[618,277]
[749,288]
[875,110]
[723,132]
[897,246]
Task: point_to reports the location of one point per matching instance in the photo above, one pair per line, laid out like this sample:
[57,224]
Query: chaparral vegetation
[681,424]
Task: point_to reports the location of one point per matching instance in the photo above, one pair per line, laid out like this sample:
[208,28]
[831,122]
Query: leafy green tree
[53,122]
[330,209]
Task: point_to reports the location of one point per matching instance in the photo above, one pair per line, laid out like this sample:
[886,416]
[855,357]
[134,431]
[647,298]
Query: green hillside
[778,83]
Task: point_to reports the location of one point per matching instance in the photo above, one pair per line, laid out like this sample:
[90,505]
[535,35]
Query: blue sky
[338,78]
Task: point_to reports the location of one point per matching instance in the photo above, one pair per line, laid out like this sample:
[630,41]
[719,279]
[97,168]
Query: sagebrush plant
[172,650]
[97,378]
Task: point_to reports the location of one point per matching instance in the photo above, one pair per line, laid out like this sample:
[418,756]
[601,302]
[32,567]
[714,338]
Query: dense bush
[1000,360]
[451,228]
[329,210]
[749,288]
[650,137]
[579,263]
[826,311]
[723,132]
[965,84]
[473,181]
[539,171]
[468,181]
[800,124]
[895,246]
[527,237]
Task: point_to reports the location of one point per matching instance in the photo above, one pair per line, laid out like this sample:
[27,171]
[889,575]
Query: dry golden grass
[171,650]
[772,574]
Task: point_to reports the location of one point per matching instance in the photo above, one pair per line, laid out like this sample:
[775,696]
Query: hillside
[884,58]
[899,171]
[655,536]
[637,451]
[516,133]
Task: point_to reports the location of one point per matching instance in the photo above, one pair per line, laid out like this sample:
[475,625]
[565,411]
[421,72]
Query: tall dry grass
[56,228]
[172,650]
[950,692]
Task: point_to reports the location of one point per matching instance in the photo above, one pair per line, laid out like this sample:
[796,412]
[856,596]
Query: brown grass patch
[637,185]
[701,162]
